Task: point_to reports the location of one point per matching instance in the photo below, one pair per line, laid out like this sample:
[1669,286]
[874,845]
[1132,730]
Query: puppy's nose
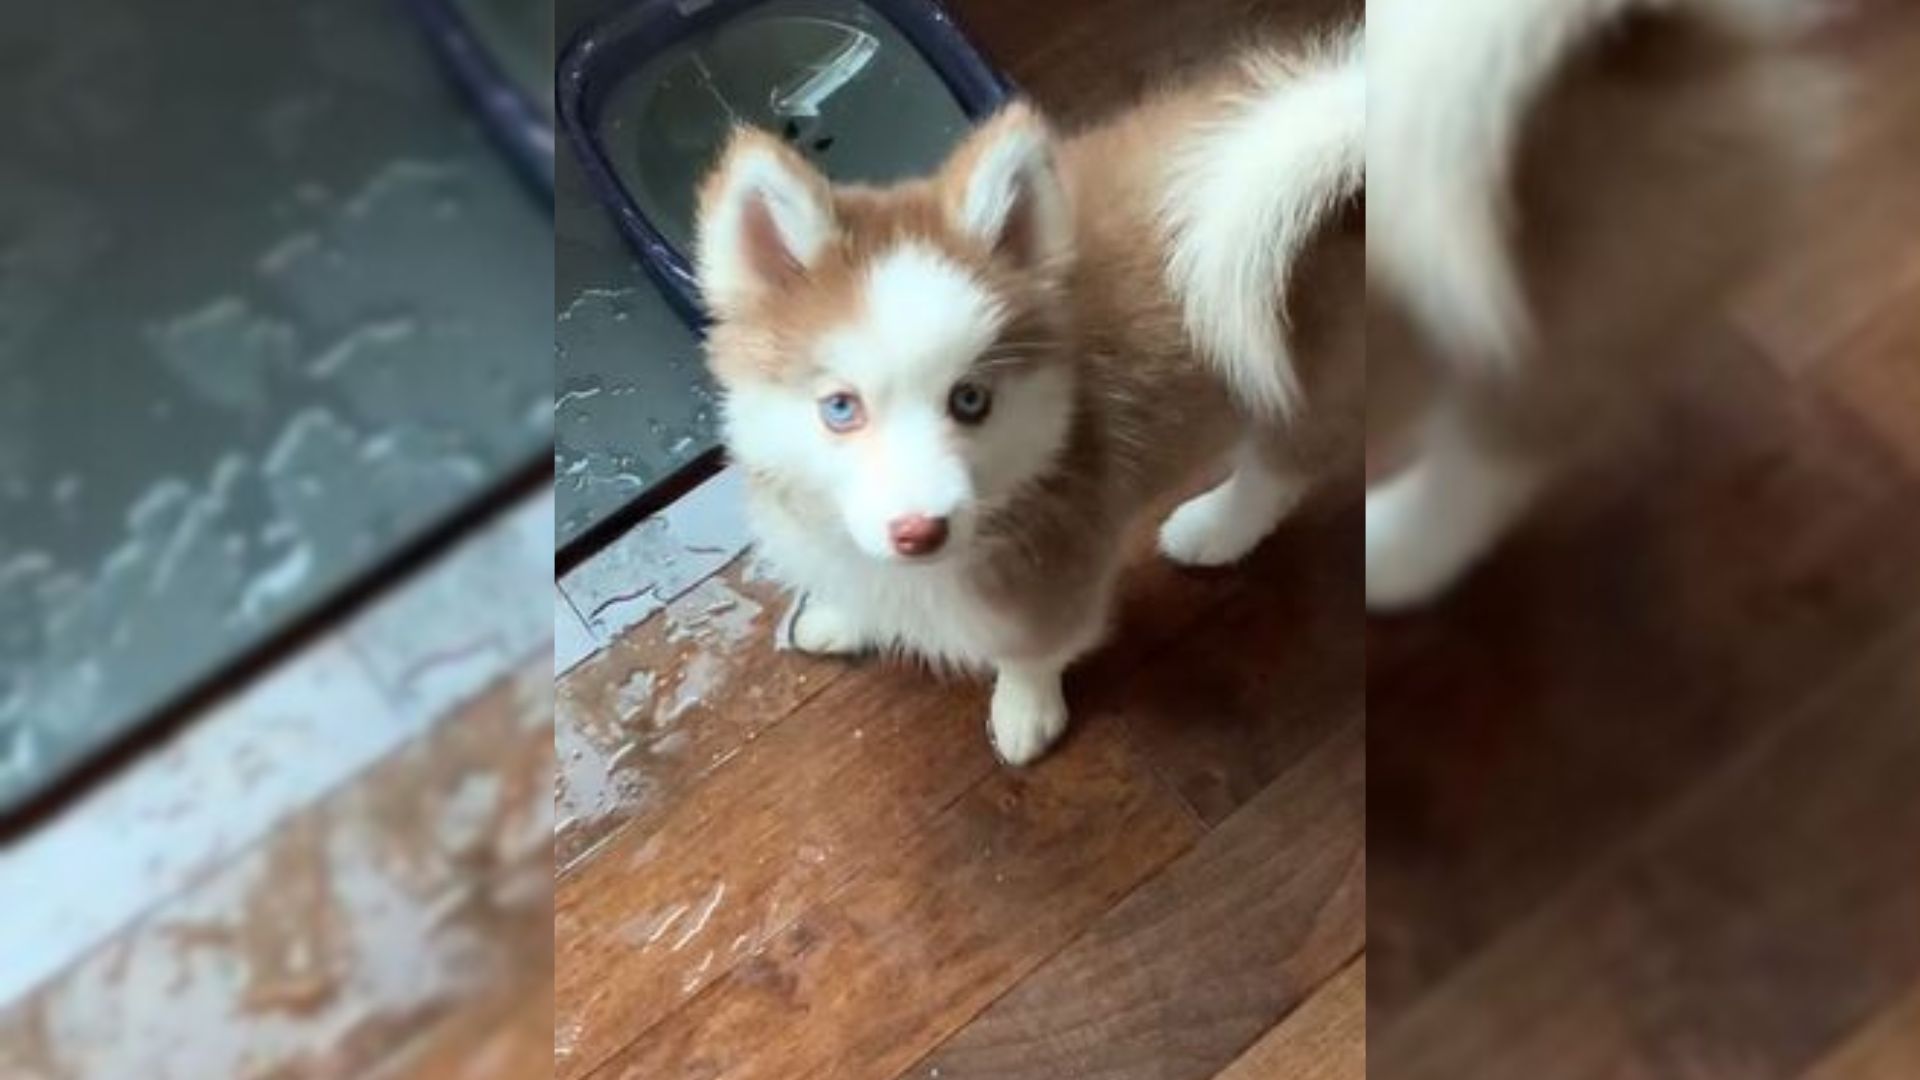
[917,534]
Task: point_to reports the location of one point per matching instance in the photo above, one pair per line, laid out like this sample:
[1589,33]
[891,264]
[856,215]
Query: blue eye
[969,402]
[842,412]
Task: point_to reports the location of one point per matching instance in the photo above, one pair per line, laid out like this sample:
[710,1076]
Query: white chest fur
[931,610]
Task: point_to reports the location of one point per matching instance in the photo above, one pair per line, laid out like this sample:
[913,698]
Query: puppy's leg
[1430,524]
[1228,521]
[1029,710]
[816,627]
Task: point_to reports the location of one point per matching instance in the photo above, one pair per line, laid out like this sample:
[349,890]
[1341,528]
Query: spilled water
[305,955]
[632,400]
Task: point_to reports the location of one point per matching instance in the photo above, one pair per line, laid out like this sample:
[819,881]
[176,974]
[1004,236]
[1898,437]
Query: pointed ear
[765,216]
[1002,188]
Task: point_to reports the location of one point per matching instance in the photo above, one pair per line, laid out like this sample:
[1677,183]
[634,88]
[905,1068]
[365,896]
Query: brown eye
[842,412]
[969,402]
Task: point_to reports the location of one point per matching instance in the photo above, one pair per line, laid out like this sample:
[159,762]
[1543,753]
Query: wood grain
[1202,959]
[1758,923]
[1854,252]
[1653,620]
[1267,674]
[507,1039]
[864,982]
[851,778]
[803,804]
[1885,1048]
[1876,372]
[1324,1039]
[642,722]
[419,891]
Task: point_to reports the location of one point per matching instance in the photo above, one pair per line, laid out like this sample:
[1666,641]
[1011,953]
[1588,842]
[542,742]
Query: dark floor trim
[645,505]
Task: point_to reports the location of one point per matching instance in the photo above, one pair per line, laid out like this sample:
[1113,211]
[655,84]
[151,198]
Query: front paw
[1426,530]
[821,630]
[1406,566]
[1027,717]
[1204,532]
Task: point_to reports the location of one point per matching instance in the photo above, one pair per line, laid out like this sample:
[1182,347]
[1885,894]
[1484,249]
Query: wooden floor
[830,876]
[1645,798]
[342,869]
[396,928]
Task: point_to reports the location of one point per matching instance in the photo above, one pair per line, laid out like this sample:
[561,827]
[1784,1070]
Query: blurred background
[1642,794]
[275,419]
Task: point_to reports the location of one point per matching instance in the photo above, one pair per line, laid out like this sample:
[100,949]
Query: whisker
[1003,355]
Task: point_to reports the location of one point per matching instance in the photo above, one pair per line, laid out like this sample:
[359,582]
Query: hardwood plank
[1324,1039]
[863,983]
[811,786]
[1741,936]
[849,779]
[646,721]
[639,724]
[1855,251]
[1261,678]
[1214,950]
[1650,622]
[510,1039]
[1876,372]
[1886,1048]
[422,887]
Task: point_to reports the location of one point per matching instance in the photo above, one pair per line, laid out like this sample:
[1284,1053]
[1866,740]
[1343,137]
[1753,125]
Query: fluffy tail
[1453,83]
[1245,196]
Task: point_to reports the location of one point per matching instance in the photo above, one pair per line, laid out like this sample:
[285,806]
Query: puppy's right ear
[1002,189]
[765,216]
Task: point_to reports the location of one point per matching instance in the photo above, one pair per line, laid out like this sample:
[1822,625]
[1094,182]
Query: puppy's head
[898,355]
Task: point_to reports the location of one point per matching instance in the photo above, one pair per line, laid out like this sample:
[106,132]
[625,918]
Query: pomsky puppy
[1558,189]
[953,397]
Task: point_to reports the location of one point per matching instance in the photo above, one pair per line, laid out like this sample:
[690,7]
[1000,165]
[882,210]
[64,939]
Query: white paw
[1027,717]
[1427,529]
[1404,569]
[1203,531]
[1224,524]
[821,629]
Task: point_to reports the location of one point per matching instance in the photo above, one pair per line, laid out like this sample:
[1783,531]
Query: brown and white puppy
[1558,190]
[953,397]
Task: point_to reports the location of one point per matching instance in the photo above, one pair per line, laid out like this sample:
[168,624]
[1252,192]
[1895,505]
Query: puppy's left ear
[1002,188]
